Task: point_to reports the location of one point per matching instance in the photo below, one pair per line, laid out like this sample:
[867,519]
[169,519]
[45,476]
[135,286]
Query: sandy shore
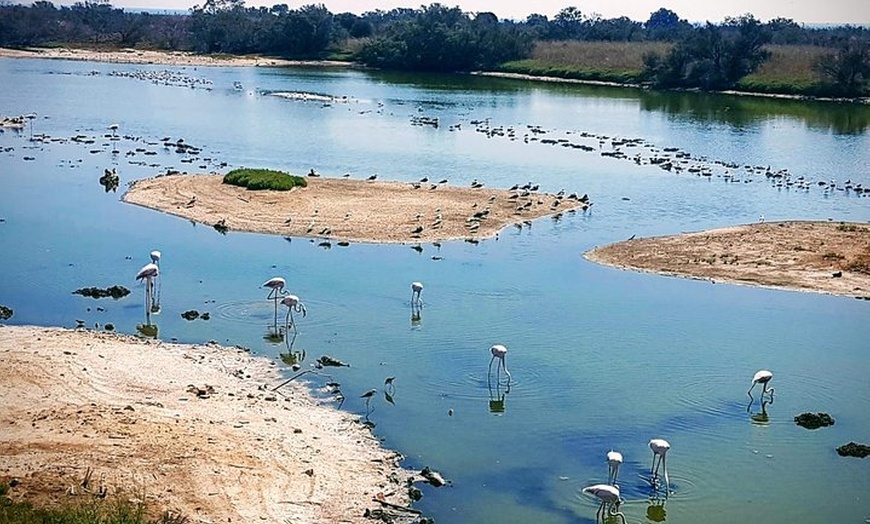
[128,409]
[174,58]
[349,210]
[826,257]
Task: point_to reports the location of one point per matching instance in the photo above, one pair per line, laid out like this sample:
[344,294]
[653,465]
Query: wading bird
[368,396]
[148,273]
[614,459]
[293,304]
[155,257]
[763,377]
[276,290]
[609,497]
[500,352]
[416,291]
[659,449]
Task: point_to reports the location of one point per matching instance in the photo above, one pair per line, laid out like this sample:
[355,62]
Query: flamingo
[614,459]
[276,289]
[293,304]
[155,257]
[762,377]
[148,272]
[499,351]
[416,290]
[659,449]
[609,497]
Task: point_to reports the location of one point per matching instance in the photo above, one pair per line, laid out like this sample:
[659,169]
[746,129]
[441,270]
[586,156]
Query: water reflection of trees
[740,111]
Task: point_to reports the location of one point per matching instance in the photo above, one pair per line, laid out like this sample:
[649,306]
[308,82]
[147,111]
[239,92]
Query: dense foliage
[712,57]
[438,38]
[256,179]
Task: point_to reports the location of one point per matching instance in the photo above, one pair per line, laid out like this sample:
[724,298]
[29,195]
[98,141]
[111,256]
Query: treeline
[438,38]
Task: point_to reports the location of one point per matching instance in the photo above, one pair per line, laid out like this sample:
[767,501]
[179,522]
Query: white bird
[416,291]
[276,290]
[609,497]
[614,460]
[660,449]
[762,377]
[148,273]
[500,352]
[293,304]
[155,257]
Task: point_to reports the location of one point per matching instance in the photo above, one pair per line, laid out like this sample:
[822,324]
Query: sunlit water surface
[600,358]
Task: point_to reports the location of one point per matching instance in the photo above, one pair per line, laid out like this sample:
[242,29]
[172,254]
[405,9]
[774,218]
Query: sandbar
[345,209]
[192,429]
[171,58]
[825,257]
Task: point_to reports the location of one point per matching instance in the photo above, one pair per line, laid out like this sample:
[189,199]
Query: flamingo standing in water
[276,290]
[614,459]
[609,497]
[499,352]
[416,291]
[659,449]
[148,273]
[293,304]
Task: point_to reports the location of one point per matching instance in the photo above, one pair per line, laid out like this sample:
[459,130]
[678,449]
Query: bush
[256,179]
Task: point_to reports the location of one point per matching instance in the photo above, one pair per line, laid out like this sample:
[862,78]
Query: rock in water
[813,420]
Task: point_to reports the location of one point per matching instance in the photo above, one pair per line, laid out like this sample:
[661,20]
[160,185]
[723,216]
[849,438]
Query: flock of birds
[607,493]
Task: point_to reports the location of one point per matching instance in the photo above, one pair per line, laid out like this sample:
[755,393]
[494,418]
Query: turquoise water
[600,358]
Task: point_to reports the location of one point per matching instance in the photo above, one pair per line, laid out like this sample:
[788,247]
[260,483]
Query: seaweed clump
[853,450]
[813,420]
[115,292]
[5,313]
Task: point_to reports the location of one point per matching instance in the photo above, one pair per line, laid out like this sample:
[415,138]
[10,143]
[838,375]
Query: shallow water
[600,358]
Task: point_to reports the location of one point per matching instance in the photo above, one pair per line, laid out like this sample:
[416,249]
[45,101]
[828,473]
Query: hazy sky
[802,11]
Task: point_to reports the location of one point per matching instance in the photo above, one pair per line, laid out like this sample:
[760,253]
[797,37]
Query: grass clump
[256,179]
[91,511]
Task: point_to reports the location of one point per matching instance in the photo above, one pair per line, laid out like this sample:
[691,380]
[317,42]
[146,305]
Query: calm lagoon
[600,358]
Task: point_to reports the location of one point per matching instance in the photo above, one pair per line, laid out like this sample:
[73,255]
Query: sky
[856,12]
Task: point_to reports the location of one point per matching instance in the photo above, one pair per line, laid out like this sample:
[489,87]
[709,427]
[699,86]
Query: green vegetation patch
[256,179]
[91,511]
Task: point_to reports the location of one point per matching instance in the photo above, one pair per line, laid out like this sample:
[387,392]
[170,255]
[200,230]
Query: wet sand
[824,257]
[194,429]
[350,210]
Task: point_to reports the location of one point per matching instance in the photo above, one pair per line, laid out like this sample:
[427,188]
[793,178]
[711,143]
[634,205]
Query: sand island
[826,257]
[197,430]
[345,209]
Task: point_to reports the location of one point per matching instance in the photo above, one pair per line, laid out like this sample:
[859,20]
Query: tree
[848,68]
[712,57]
[664,24]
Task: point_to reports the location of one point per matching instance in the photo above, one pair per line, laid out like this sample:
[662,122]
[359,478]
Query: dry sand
[123,407]
[803,256]
[349,210]
[173,58]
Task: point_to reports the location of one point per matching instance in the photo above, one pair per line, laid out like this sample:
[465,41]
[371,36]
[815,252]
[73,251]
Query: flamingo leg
[504,365]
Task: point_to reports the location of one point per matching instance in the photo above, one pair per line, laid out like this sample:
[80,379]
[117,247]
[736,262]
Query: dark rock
[115,292]
[5,313]
[191,314]
[433,477]
[813,420]
[109,326]
[414,493]
[205,316]
[326,360]
[221,227]
[853,450]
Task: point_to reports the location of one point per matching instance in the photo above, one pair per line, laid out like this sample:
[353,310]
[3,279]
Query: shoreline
[195,429]
[351,210]
[821,257]
[151,57]
[186,58]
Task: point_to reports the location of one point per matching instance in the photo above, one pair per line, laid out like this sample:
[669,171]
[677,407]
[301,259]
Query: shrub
[256,179]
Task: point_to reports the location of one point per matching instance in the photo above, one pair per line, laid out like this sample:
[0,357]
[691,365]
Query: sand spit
[195,429]
[350,210]
[171,58]
[825,257]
